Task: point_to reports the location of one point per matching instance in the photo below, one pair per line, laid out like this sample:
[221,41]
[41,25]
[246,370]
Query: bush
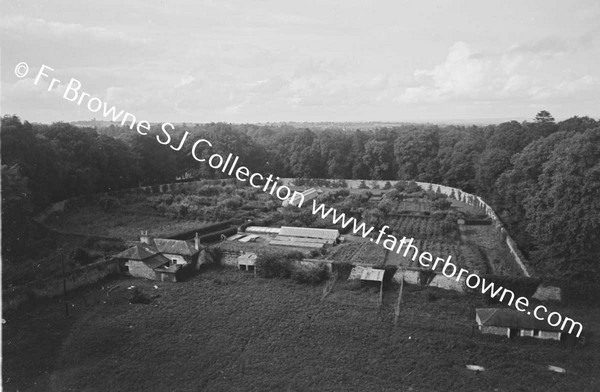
[273,266]
[139,297]
[314,275]
[441,204]
[425,277]
[343,270]
[81,256]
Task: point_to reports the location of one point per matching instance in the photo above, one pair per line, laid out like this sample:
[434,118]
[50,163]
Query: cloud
[462,74]
[19,25]
[523,72]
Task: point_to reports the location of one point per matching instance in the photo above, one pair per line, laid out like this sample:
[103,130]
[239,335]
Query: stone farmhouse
[160,259]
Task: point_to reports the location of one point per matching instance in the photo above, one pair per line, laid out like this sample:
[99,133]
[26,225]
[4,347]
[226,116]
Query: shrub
[343,270]
[441,204]
[362,185]
[273,266]
[232,202]
[81,256]
[425,277]
[314,275]
[139,297]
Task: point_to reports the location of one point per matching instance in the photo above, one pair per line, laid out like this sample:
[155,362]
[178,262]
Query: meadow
[225,330]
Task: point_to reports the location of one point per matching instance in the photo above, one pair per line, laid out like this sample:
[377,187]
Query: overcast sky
[346,60]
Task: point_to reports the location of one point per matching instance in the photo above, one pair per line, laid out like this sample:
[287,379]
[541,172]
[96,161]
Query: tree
[544,117]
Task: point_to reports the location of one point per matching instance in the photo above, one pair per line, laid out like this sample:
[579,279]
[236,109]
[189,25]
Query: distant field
[226,330]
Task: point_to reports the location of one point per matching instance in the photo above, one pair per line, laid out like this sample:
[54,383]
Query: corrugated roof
[136,252]
[309,232]
[177,247]
[510,318]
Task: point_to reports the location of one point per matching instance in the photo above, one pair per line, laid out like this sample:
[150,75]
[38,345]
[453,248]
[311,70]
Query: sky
[271,61]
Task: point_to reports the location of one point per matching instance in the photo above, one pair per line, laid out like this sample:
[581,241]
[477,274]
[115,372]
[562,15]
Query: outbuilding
[512,323]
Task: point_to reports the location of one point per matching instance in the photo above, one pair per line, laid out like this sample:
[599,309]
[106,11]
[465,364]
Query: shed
[512,323]
[372,275]
[247,261]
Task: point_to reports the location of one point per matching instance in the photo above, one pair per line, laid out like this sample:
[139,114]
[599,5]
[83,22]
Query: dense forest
[542,177]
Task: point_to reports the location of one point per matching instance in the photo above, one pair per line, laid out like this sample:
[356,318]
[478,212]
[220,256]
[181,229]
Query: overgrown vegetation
[285,265]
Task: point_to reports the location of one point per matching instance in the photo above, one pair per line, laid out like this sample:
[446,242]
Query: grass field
[228,331]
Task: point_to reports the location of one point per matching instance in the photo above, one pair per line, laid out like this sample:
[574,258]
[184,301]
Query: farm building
[301,198]
[246,261]
[305,237]
[372,277]
[512,323]
[262,230]
[159,258]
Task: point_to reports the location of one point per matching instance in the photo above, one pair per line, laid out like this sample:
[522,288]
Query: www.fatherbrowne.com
[449,270]
[74,93]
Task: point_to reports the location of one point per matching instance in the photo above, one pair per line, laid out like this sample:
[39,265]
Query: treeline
[542,177]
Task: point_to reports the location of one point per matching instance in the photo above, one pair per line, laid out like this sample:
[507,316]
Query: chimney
[144,237]
[197,242]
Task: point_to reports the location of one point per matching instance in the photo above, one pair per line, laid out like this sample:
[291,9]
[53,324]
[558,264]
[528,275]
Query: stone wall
[139,269]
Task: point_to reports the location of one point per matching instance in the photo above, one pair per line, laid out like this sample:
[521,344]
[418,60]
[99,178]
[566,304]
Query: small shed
[372,277]
[247,262]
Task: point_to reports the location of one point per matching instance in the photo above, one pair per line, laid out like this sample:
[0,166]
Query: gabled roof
[136,252]
[510,318]
[177,247]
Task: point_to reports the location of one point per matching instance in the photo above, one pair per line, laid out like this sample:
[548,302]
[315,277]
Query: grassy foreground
[228,331]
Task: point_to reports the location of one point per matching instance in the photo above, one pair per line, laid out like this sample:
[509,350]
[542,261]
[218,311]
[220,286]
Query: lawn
[224,330]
